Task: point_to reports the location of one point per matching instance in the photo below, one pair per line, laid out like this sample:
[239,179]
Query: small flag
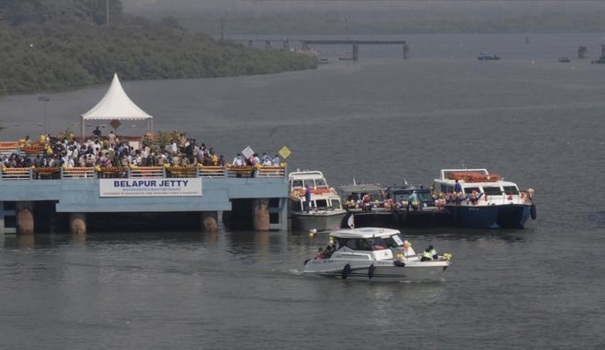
[351,221]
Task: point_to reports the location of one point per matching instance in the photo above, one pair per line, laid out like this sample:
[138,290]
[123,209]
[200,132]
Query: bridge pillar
[260,217]
[209,221]
[267,44]
[77,223]
[25,218]
[355,52]
[406,49]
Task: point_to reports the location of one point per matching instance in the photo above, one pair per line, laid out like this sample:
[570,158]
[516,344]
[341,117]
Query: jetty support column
[260,217]
[25,218]
[209,221]
[77,223]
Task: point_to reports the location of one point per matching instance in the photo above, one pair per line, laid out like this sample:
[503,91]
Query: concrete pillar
[25,218]
[209,221]
[260,216]
[77,223]
[25,242]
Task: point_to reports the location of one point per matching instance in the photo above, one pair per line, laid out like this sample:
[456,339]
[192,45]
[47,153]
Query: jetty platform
[30,198]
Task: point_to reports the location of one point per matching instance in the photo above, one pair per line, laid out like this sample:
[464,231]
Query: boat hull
[320,221]
[490,216]
[377,271]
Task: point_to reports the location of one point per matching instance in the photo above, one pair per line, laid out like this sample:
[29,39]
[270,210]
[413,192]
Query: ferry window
[309,184]
[321,183]
[492,191]
[469,190]
[336,204]
[297,184]
[321,203]
[510,189]
[401,197]
[424,196]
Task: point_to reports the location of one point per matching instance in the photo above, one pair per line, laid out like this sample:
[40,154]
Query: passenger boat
[484,201]
[484,56]
[323,212]
[375,254]
[394,207]
[367,205]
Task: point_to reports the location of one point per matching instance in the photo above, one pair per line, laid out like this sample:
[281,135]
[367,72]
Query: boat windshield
[297,184]
[321,183]
[393,241]
[510,189]
[336,204]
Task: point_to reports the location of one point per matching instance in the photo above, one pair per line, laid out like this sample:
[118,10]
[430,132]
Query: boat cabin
[368,239]
[478,181]
[401,194]
[322,196]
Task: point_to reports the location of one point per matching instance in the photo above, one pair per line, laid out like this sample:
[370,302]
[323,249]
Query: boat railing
[78,173]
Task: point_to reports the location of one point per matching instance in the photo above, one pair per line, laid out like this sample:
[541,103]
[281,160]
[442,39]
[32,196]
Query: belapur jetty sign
[170,187]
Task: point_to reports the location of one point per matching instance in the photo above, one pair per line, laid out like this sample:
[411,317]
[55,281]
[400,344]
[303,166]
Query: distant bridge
[306,44]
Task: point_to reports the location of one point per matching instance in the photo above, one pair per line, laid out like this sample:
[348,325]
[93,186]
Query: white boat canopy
[116,105]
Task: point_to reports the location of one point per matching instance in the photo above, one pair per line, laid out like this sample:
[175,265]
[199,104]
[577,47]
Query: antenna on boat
[354,182]
[463,165]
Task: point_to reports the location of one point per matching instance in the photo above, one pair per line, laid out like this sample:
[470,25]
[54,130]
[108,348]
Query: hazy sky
[521,6]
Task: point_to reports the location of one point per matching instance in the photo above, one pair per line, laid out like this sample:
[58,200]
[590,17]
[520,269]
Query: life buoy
[346,271]
[532,212]
[371,271]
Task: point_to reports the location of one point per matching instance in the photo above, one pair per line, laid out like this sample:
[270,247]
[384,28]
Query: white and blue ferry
[476,198]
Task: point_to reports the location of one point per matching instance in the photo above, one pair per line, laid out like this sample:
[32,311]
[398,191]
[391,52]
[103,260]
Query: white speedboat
[320,209]
[375,254]
[483,200]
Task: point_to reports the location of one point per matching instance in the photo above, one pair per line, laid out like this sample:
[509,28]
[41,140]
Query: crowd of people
[111,151]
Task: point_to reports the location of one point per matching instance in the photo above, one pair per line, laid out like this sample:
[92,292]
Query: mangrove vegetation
[64,44]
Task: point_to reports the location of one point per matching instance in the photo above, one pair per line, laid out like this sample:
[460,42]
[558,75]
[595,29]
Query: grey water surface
[527,117]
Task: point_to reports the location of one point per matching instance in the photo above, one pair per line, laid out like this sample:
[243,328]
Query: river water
[527,117]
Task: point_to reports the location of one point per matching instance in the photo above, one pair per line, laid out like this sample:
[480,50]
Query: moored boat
[476,198]
[375,254]
[314,205]
[485,56]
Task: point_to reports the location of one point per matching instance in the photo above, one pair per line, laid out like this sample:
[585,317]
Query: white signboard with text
[159,187]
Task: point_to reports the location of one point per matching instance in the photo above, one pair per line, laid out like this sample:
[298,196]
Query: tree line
[63,44]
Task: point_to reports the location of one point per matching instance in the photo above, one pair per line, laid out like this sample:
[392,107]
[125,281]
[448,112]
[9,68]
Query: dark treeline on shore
[63,44]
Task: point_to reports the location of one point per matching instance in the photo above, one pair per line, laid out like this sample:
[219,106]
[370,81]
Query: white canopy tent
[116,105]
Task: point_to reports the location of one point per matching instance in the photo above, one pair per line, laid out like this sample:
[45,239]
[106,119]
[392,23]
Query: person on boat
[413,201]
[426,255]
[307,199]
[97,132]
[276,161]
[433,252]
[457,187]
[320,254]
